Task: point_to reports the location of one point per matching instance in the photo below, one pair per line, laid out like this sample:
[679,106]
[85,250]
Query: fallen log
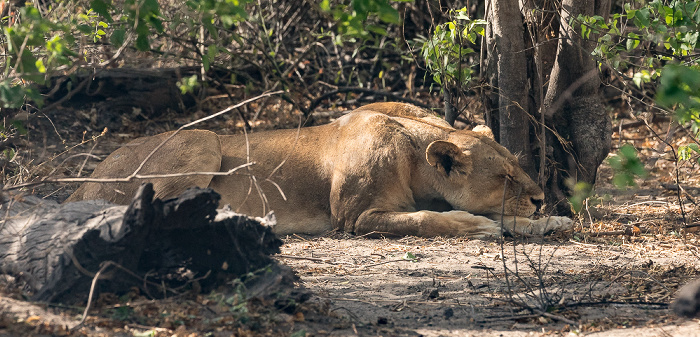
[158,246]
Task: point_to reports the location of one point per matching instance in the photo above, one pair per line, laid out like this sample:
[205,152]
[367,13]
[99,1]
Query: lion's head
[478,175]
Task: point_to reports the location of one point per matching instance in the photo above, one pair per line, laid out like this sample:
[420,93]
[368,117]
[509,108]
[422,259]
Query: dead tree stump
[155,245]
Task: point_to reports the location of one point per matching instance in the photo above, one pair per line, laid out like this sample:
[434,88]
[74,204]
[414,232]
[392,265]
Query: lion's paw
[552,224]
[467,224]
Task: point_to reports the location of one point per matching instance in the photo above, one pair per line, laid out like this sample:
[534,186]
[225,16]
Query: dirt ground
[614,276]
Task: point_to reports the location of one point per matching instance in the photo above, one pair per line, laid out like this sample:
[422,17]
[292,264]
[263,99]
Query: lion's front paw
[460,223]
[552,224]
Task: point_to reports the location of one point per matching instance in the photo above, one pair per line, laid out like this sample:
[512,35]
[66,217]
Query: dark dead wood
[55,250]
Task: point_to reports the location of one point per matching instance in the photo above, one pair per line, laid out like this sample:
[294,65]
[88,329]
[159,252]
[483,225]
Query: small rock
[433,294]
[448,313]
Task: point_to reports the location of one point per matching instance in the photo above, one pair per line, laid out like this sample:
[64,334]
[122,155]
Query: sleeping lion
[386,167]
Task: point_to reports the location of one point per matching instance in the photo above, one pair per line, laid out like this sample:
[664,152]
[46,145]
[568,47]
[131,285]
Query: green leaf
[632,41]
[389,15]
[377,30]
[684,153]
[626,166]
[40,66]
[11,97]
[20,127]
[117,37]
[142,42]
[102,8]
[85,29]
[642,18]
[205,62]
[300,333]
[579,193]
[641,77]
[694,147]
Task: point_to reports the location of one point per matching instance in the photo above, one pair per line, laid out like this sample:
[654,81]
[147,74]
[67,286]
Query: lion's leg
[187,151]
[426,223]
[520,225]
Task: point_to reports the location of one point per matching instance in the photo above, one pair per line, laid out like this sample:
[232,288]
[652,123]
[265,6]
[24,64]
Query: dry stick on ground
[136,175]
[315,259]
[92,291]
[629,272]
[104,267]
[507,272]
[385,262]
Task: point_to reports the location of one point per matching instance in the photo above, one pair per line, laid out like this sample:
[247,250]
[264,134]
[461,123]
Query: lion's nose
[537,202]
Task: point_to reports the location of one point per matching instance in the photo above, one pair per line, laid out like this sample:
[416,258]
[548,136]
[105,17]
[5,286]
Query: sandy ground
[458,287]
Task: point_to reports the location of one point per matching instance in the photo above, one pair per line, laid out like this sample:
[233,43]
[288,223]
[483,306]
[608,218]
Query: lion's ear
[445,156]
[484,130]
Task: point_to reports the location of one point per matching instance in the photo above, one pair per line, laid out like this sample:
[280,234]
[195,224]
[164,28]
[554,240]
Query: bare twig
[315,259]
[92,291]
[127,179]
[385,262]
[136,175]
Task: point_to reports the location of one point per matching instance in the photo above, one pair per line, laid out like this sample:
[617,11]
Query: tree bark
[577,134]
[573,107]
[55,250]
[507,60]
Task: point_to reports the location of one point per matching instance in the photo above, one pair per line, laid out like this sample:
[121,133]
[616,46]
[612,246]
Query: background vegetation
[335,54]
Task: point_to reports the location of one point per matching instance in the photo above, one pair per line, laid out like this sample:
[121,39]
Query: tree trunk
[578,127]
[450,113]
[573,108]
[507,62]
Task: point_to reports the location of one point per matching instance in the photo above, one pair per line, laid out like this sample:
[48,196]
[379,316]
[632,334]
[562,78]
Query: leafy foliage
[447,52]
[655,43]
[679,90]
[580,192]
[626,166]
[665,31]
[353,19]
[210,32]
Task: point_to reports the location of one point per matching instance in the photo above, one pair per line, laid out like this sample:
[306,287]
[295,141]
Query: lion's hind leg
[186,152]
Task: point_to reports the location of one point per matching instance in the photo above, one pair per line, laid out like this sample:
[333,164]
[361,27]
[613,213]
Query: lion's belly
[287,181]
[304,210]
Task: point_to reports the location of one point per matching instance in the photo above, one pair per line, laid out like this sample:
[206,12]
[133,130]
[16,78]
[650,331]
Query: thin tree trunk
[506,48]
[450,113]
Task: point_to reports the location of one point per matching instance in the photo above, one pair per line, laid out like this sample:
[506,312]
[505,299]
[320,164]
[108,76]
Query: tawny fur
[386,167]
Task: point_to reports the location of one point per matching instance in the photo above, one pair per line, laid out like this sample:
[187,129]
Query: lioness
[386,167]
